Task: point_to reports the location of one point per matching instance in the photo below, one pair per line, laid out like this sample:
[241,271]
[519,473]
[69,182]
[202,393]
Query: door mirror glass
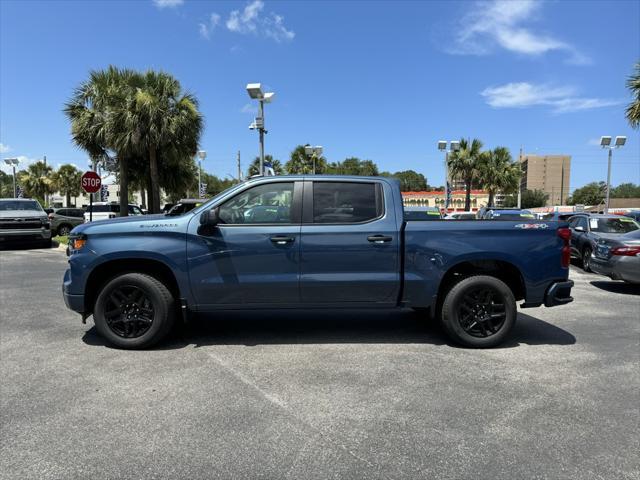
[210,217]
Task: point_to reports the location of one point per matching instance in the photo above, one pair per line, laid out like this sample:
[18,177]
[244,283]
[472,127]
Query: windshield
[10,205]
[613,225]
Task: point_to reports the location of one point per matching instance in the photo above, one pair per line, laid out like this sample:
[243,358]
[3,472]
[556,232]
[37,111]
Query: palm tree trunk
[142,197]
[467,198]
[490,198]
[149,199]
[155,181]
[124,186]
[68,199]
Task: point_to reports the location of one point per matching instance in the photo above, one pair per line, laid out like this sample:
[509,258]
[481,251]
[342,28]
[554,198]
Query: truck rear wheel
[134,310]
[479,311]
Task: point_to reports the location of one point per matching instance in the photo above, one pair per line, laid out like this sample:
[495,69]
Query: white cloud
[251,21]
[561,99]
[4,148]
[206,29]
[24,163]
[499,24]
[167,3]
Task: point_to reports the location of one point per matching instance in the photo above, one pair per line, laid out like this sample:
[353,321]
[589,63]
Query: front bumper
[559,293]
[74,302]
[25,234]
[617,268]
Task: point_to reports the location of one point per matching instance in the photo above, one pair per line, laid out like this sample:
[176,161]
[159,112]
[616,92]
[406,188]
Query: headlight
[76,242]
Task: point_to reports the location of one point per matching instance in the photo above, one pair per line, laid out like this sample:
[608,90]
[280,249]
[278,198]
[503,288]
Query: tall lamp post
[454,146]
[202,154]
[13,162]
[313,153]
[605,142]
[255,91]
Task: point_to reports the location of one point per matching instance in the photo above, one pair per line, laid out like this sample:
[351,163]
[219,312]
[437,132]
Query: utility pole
[239,168]
[520,183]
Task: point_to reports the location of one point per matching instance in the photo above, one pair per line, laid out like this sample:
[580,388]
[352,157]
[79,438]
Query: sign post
[90,183]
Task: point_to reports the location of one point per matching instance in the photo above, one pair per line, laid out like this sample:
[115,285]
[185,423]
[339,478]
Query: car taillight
[50,216]
[565,257]
[626,251]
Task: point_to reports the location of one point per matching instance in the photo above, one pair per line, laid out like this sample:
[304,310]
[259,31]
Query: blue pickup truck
[312,242]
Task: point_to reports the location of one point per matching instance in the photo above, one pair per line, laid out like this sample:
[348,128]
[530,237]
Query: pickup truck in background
[105,211]
[312,242]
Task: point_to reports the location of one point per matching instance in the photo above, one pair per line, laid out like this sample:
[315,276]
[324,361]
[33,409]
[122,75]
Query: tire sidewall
[450,318]
[586,254]
[161,310]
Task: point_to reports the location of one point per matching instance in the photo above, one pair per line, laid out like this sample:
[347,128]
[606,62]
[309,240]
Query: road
[317,395]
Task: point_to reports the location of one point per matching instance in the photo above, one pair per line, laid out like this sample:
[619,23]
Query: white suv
[105,211]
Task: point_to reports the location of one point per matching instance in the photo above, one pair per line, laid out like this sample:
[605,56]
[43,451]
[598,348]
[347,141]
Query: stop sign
[90,182]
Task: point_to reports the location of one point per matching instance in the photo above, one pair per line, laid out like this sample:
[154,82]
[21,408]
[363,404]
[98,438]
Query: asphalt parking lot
[317,394]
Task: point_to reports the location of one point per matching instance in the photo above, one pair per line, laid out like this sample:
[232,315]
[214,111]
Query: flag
[19,192]
[104,193]
[203,190]
[268,168]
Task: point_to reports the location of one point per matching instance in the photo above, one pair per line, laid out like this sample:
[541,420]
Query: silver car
[618,259]
[23,220]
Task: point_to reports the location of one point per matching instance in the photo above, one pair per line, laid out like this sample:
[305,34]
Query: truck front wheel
[134,310]
[479,311]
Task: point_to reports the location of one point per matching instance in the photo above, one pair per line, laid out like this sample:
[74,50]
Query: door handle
[282,240]
[379,238]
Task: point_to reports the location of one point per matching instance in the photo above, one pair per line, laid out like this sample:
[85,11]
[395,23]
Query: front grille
[15,224]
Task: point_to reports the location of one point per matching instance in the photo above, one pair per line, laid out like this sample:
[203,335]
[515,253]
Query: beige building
[549,173]
[436,198]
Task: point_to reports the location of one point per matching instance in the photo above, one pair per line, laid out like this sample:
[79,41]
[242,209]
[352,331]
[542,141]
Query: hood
[131,224]
[22,214]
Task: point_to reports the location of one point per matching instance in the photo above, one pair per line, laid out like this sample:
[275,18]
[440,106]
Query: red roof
[434,193]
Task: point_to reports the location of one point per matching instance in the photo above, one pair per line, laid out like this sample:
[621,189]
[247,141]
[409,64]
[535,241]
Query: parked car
[587,229]
[461,216]
[334,242]
[105,211]
[167,207]
[506,214]
[618,258]
[635,214]
[23,220]
[185,205]
[558,216]
[64,219]
[422,213]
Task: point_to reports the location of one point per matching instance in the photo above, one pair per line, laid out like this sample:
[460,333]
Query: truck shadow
[335,327]
[617,287]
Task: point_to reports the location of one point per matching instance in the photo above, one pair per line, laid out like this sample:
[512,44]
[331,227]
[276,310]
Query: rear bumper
[559,293]
[618,268]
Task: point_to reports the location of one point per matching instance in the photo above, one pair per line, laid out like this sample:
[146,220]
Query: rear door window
[345,202]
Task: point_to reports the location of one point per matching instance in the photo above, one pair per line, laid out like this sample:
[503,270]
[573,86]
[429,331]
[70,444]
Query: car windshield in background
[11,205]
[613,225]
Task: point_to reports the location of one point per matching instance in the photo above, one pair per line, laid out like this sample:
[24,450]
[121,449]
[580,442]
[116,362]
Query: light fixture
[605,141]
[620,141]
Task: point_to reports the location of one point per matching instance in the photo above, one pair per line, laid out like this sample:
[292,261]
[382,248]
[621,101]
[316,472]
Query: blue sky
[377,80]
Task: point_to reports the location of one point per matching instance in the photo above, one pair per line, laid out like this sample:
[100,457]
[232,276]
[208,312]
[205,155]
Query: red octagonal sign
[91,182]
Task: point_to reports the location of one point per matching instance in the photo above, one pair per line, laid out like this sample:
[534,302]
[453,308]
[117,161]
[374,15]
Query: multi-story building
[549,173]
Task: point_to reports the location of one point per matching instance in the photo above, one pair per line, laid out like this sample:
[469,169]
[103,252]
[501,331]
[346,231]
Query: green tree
[254,168]
[301,164]
[591,194]
[216,185]
[37,181]
[353,166]
[67,181]
[498,173]
[6,185]
[626,190]
[633,109]
[410,181]
[533,199]
[465,164]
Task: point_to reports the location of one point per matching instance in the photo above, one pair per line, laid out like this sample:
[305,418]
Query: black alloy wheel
[586,259]
[129,312]
[481,311]
[64,230]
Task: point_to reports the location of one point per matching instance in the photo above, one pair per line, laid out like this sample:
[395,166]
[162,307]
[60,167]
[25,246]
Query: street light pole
[454,147]
[606,208]
[255,91]
[261,130]
[13,162]
[605,142]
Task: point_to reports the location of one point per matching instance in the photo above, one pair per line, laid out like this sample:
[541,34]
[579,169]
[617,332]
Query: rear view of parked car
[618,258]
[64,219]
[105,211]
[23,220]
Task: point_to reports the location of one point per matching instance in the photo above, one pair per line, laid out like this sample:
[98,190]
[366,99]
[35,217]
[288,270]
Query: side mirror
[210,217]
[579,229]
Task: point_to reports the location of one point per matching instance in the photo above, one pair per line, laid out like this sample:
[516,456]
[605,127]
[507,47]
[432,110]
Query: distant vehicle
[64,219]
[558,216]
[105,211]
[185,205]
[167,207]
[23,220]
[618,258]
[588,229]
[507,214]
[461,216]
[422,213]
[635,214]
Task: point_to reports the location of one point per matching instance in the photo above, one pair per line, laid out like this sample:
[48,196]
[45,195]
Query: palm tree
[94,110]
[300,163]
[633,110]
[159,117]
[254,168]
[465,164]
[37,181]
[498,173]
[67,181]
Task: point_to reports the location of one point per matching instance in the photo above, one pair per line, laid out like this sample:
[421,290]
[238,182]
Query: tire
[134,311]
[64,229]
[479,312]
[46,244]
[586,259]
